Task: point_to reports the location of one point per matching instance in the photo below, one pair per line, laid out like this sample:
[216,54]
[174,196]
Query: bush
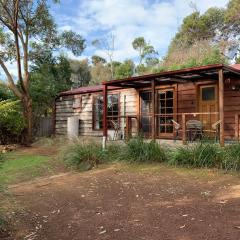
[2,158]
[11,121]
[137,150]
[83,156]
[231,159]
[200,155]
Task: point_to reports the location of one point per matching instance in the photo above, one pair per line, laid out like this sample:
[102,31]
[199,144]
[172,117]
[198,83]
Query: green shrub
[137,150]
[199,155]
[83,156]
[2,159]
[231,159]
[11,121]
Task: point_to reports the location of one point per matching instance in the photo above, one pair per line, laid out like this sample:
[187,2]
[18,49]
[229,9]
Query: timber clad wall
[186,102]
[64,109]
[231,107]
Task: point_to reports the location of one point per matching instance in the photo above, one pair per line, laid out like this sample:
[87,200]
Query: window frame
[94,112]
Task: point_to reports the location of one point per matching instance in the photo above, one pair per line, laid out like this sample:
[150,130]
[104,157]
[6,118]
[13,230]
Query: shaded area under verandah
[218,73]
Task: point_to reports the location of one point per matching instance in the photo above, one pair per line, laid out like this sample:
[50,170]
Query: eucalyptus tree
[26,30]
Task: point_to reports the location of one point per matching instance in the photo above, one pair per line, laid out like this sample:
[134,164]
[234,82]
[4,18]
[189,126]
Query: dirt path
[125,204]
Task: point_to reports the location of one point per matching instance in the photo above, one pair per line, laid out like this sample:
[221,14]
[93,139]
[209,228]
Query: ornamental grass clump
[200,155]
[83,156]
[231,159]
[138,150]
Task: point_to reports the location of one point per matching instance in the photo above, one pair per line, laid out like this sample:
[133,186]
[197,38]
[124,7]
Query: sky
[155,20]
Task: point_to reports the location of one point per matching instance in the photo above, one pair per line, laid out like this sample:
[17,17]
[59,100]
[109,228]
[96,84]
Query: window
[208,93]
[77,102]
[146,111]
[113,111]
[165,107]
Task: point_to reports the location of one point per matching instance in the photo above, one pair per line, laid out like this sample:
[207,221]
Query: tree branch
[11,83]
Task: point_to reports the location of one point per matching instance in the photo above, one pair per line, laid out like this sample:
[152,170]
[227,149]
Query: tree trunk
[27,113]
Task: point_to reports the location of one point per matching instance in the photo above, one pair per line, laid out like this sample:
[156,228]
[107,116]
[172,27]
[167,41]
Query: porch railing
[181,118]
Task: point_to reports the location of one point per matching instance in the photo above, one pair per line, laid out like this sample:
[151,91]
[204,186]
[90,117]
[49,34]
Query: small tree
[80,73]
[145,50]
[26,29]
[107,44]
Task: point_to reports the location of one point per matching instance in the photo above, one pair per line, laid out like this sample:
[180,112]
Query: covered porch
[162,110]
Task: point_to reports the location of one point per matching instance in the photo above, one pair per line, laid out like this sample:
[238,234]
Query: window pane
[208,93]
[112,108]
[169,94]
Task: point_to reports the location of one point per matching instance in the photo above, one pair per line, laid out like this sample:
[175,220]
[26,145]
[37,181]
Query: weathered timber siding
[231,107]
[64,109]
[187,102]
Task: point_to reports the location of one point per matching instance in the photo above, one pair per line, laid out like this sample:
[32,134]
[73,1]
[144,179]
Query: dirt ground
[130,203]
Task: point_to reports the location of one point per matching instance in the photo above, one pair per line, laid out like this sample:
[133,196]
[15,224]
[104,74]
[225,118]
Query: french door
[164,112]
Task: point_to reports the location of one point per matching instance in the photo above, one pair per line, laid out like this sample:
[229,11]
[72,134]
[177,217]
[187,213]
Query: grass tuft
[231,159]
[138,150]
[200,155]
[83,156]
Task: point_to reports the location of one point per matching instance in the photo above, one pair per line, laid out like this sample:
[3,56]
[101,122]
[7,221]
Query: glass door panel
[145,112]
[165,110]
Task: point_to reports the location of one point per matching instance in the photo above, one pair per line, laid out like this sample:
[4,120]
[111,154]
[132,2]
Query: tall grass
[83,156]
[137,150]
[206,154]
[231,159]
[200,155]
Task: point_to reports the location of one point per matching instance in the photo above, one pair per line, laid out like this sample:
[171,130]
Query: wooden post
[184,129]
[105,122]
[237,127]
[153,110]
[221,105]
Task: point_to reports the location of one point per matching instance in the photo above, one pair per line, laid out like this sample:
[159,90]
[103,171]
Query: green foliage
[145,50]
[97,59]
[11,120]
[138,150]
[5,92]
[49,76]
[81,75]
[73,41]
[199,54]
[83,156]
[197,27]
[231,159]
[199,155]
[124,70]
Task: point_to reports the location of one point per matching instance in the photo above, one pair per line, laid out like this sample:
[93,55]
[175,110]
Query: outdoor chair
[116,128]
[215,129]
[194,130]
[176,127]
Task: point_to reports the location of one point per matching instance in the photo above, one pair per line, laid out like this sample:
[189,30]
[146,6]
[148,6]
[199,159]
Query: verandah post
[153,110]
[221,105]
[105,124]
[184,129]
[237,127]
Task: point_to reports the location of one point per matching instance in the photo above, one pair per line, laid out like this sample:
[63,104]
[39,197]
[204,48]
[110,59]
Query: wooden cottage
[188,103]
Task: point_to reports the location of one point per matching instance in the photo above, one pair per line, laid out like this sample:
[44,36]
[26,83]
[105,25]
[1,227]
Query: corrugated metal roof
[236,66]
